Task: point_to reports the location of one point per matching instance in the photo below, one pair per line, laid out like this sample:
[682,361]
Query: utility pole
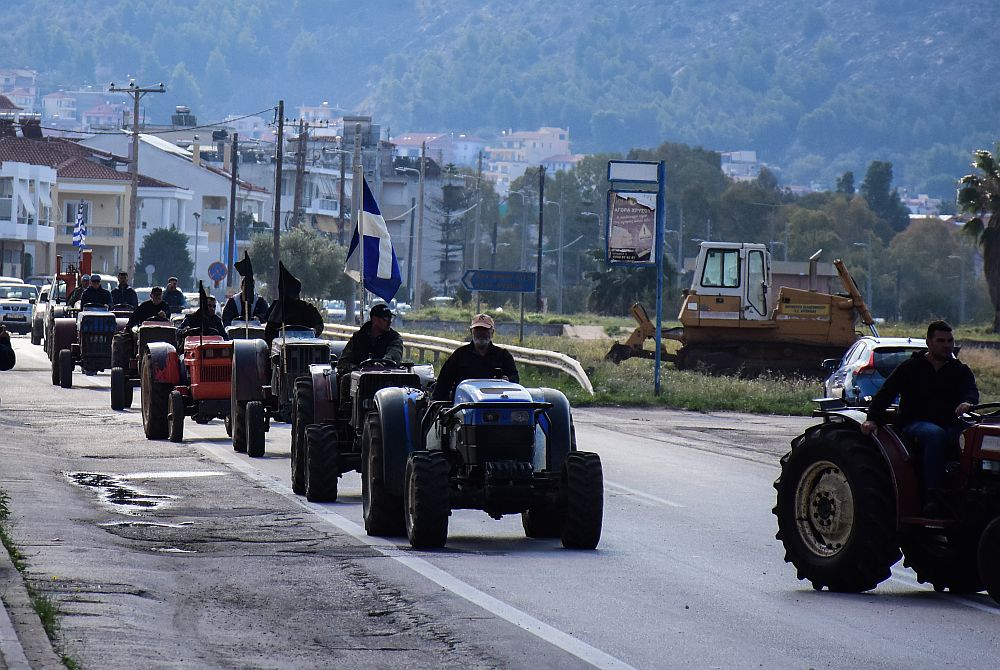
[420,226]
[231,251]
[343,169]
[276,223]
[541,220]
[137,92]
[409,247]
[300,173]
[358,199]
[479,218]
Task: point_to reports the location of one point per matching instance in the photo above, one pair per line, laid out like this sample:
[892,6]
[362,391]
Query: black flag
[202,298]
[289,289]
[245,268]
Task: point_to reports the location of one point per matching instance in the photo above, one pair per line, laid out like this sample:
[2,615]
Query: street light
[222,221]
[559,257]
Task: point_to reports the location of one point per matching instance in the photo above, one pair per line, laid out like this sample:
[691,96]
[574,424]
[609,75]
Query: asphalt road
[229,569]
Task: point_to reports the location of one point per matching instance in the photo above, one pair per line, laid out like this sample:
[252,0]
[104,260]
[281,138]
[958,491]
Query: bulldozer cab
[731,279]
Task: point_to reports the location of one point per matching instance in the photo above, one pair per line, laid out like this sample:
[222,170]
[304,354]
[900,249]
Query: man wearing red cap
[480,359]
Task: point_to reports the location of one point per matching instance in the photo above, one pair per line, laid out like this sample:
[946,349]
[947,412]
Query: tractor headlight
[520,418]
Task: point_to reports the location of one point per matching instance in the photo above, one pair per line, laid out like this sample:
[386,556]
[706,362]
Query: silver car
[861,372]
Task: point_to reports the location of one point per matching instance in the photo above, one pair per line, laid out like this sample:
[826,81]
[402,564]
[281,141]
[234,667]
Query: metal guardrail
[422,344]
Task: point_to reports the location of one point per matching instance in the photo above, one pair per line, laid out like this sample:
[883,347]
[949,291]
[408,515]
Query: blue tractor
[499,447]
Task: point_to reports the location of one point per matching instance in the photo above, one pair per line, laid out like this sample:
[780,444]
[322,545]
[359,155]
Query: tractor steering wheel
[975,413]
[380,363]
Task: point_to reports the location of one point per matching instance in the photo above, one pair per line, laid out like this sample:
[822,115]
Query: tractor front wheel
[322,468]
[66,368]
[238,423]
[255,428]
[154,397]
[302,416]
[989,559]
[175,417]
[836,511]
[382,511]
[118,383]
[583,483]
[425,495]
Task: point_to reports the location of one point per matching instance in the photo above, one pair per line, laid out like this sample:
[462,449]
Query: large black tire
[321,467]
[129,390]
[542,522]
[154,404]
[302,416]
[382,511]
[175,417]
[583,495]
[836,511]
[425,499]
[121,350]
[118,384]
[945,561]
[55,369]
[66,368]
[989,559]
[255,428]
[238,425]
[36,334]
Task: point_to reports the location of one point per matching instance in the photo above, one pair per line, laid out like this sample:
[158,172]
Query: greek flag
[381,271]
[80,229]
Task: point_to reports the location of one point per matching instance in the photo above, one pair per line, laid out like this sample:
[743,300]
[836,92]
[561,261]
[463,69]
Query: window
[71,209]
[756,286]
[722,269]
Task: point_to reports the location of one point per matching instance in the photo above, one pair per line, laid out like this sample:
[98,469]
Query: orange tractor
[195,382]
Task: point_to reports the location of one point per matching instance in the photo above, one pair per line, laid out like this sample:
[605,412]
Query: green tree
[315,260]
[167,251]
[845,183]
[883,200]
[979,195]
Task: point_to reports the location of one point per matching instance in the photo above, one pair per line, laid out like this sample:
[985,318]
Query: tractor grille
[96,333]
[216,373]
[300,357]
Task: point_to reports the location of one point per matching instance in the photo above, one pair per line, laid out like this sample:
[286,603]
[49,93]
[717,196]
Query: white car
[17,304]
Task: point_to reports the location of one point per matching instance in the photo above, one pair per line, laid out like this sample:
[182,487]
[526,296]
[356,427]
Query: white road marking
[640,494]
[523,620]
[174,474]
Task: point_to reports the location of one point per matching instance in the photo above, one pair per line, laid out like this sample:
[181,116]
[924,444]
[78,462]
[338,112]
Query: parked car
[17,303]
[861,372]
[10,280]
[38,316]
[334,310]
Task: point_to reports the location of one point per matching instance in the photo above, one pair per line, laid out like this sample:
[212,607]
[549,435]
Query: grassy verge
[47,610]
[631,383]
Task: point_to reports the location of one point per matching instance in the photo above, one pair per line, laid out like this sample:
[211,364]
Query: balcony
[322,207]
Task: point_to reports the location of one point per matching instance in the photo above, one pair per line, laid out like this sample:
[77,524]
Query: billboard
[631,228]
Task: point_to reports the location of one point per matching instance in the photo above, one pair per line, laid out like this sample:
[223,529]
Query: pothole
[113,492]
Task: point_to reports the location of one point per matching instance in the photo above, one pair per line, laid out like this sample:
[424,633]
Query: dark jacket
[925,394]
[147,311]
[465,363]
[74,295]
[95,295]
[209,323]
[124,295]
[296,313]
[7,356]
[363,346]
[234,309]
[175,299]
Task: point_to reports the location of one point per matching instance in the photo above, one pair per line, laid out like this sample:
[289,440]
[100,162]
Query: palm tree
[979,195]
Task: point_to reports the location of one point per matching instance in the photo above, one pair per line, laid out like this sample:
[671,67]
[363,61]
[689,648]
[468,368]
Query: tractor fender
[556,424]
[64,334]
[165,364]
[325,392]
[251,369]
[121,323]
[400,416]
[895,452]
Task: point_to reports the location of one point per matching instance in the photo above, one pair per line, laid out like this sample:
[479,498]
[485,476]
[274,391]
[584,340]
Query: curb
[23,642]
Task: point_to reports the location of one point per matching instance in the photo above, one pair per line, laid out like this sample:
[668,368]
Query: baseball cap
[482,321]
[381,310]
[95,277]
[172,279]
[84,277]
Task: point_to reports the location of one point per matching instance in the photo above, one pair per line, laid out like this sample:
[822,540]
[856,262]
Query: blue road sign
[499,280]
[217,271]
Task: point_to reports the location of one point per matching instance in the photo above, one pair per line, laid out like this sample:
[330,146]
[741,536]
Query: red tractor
[127,352]
[849,505]
[195,383]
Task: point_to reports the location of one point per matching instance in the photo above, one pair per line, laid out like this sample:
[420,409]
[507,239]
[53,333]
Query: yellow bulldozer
[732,322]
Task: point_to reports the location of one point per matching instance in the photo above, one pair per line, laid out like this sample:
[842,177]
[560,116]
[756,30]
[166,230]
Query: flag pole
[358,197]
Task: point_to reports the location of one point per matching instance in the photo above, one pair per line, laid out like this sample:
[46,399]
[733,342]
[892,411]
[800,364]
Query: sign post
[217,272]
[509,281]
[636,228]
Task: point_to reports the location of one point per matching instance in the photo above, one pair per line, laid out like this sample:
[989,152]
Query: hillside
[815,91]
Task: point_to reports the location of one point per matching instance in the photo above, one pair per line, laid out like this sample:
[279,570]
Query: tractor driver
[374,339]
[75,294]
[205,318]
[153,309]
[95,294]
[934,389]
[480,359]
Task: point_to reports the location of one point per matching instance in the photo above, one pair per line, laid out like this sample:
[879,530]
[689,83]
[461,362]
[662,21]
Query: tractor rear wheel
[321,467]
[836,511]
[989,559]
[175,417]
[118,383]
[302,416]
[382,511]
[425,495]
[238,422]
[944,560]
[66,368]
[154,403]
[255,428]
[583,484]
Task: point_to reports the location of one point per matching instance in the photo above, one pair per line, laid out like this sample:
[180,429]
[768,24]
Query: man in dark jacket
[375,339]
[289,309]
[934,389]
[96,294]
[205,318]
[123,294]
[153,309]
[234,308]
[7,356]
[174,297]
[74,295]
[480,359]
